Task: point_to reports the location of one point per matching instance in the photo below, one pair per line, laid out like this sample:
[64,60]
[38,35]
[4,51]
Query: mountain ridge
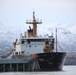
[65,36]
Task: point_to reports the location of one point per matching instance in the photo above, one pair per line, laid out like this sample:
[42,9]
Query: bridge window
[22,41]
[16,53]
[35,40]
[28,41]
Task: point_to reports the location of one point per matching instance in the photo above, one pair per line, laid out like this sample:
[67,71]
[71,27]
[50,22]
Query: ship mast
[34,23]
[56,39]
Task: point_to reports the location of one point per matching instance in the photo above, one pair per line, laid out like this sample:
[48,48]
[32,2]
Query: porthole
[29,45]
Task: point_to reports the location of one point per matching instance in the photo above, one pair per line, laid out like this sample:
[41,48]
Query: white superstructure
[30,43]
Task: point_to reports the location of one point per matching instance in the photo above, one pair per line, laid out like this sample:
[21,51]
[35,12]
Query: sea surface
[67,70]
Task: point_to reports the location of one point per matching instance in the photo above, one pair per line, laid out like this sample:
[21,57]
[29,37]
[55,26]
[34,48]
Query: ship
[32,52]
[40,48]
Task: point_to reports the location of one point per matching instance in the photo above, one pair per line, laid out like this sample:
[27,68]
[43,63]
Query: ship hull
[50,61]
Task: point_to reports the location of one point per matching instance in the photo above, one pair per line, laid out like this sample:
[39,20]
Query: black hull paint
[51,61]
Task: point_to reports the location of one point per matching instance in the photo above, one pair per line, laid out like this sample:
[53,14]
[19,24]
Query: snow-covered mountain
[8,34]
[66,35]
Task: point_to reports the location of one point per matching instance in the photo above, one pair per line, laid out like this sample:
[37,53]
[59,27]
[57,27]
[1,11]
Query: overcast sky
[16,12]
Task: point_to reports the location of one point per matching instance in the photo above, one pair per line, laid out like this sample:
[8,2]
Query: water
[67,70]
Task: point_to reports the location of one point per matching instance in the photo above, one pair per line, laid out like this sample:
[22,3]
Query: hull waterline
[50,61]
